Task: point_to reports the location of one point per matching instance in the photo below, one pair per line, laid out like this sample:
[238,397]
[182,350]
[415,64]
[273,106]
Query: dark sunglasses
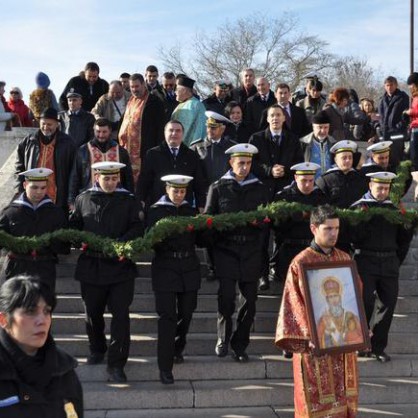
[14,92]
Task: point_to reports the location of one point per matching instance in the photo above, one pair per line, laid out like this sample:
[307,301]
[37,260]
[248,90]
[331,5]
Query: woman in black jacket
[37,379]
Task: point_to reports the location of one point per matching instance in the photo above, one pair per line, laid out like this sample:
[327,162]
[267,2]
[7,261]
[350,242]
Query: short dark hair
[283,86]
[152,69]
[103,122]
[230,106]
[390,79]
[275,106]
[174,121]
[169,74]
[92,66]
[321,213]
[24,292]
[124,75]
[137,76]
[315,84]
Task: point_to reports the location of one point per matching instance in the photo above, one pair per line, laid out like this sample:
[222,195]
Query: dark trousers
[379,295]
[175,312]
[240,338]
[117,297]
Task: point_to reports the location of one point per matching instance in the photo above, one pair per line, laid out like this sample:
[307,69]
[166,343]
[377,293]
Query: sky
[59,36]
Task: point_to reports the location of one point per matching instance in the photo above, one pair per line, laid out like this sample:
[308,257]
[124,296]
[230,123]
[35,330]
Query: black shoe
[240,356]
[116,374]
[382,357]
[287,354]
[221,349]
[365,354]
[95,358]
[166,377]
[178,358]
[263,283]
[210,277]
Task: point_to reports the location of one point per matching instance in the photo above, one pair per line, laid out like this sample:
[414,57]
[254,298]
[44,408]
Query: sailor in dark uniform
[33,214]
[110,211]
[175,276]
[343,185]
[238,252]
[380,248]
[294,235]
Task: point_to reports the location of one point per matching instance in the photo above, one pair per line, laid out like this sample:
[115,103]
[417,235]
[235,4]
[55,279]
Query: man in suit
[247,88]
[278,151]
[257,104]
[172,156]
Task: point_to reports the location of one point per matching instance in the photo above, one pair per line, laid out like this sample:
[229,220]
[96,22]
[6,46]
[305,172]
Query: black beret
[321,118]
[185,81]
[50,113]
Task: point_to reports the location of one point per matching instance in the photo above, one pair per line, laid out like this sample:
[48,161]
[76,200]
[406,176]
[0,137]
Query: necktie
[263,98]
[174,152]
[287,116]
[276,139]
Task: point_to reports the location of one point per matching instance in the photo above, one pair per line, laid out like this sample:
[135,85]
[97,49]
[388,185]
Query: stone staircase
[207,386]
[210,387]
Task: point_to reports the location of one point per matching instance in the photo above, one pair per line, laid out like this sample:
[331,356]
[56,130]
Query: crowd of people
[115,158]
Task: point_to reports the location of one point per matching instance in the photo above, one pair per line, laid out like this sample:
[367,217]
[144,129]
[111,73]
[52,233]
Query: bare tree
[272,46]
[356,73]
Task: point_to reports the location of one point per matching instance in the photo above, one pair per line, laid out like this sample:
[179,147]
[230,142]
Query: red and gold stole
[46,159]
[97,156]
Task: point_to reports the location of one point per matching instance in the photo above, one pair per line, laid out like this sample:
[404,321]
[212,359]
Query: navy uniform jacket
[379,235]
[237,252]
[111,215]
[175,267]
[21,218]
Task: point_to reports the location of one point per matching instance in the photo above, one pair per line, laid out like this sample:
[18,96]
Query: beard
[336,310]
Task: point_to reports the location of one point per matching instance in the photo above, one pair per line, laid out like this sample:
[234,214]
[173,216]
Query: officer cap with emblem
[305,168]
[343,146]
[382,177]
[72,94]
[37,174]
[108,167]
[242,150]
[215,120]
[380,147]
[311,75]
[176,180]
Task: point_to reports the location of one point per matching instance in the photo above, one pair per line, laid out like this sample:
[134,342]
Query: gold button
[26,397]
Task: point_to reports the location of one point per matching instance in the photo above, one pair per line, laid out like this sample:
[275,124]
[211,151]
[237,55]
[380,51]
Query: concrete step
[241,412]
[259,367]
[231,393]
[203,322]
[72,303]
[198,344]
[67,285]
[144,323]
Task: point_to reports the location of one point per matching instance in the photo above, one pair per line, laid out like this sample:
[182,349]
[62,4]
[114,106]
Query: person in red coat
[18,106]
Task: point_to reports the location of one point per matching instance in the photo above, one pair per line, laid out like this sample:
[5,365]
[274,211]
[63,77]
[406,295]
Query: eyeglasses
[14,92]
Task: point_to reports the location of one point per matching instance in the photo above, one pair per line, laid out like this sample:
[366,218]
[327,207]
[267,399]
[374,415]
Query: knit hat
[42,80]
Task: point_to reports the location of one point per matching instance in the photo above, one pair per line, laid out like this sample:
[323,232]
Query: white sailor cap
[108,167]
[215,119]
[305,168]
[382,176]
[242,150]
[344,145]
[311,75]
[380,147]
[177,180]
[37,174]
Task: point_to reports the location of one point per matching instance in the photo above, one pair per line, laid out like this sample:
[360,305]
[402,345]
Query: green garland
[275,213]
